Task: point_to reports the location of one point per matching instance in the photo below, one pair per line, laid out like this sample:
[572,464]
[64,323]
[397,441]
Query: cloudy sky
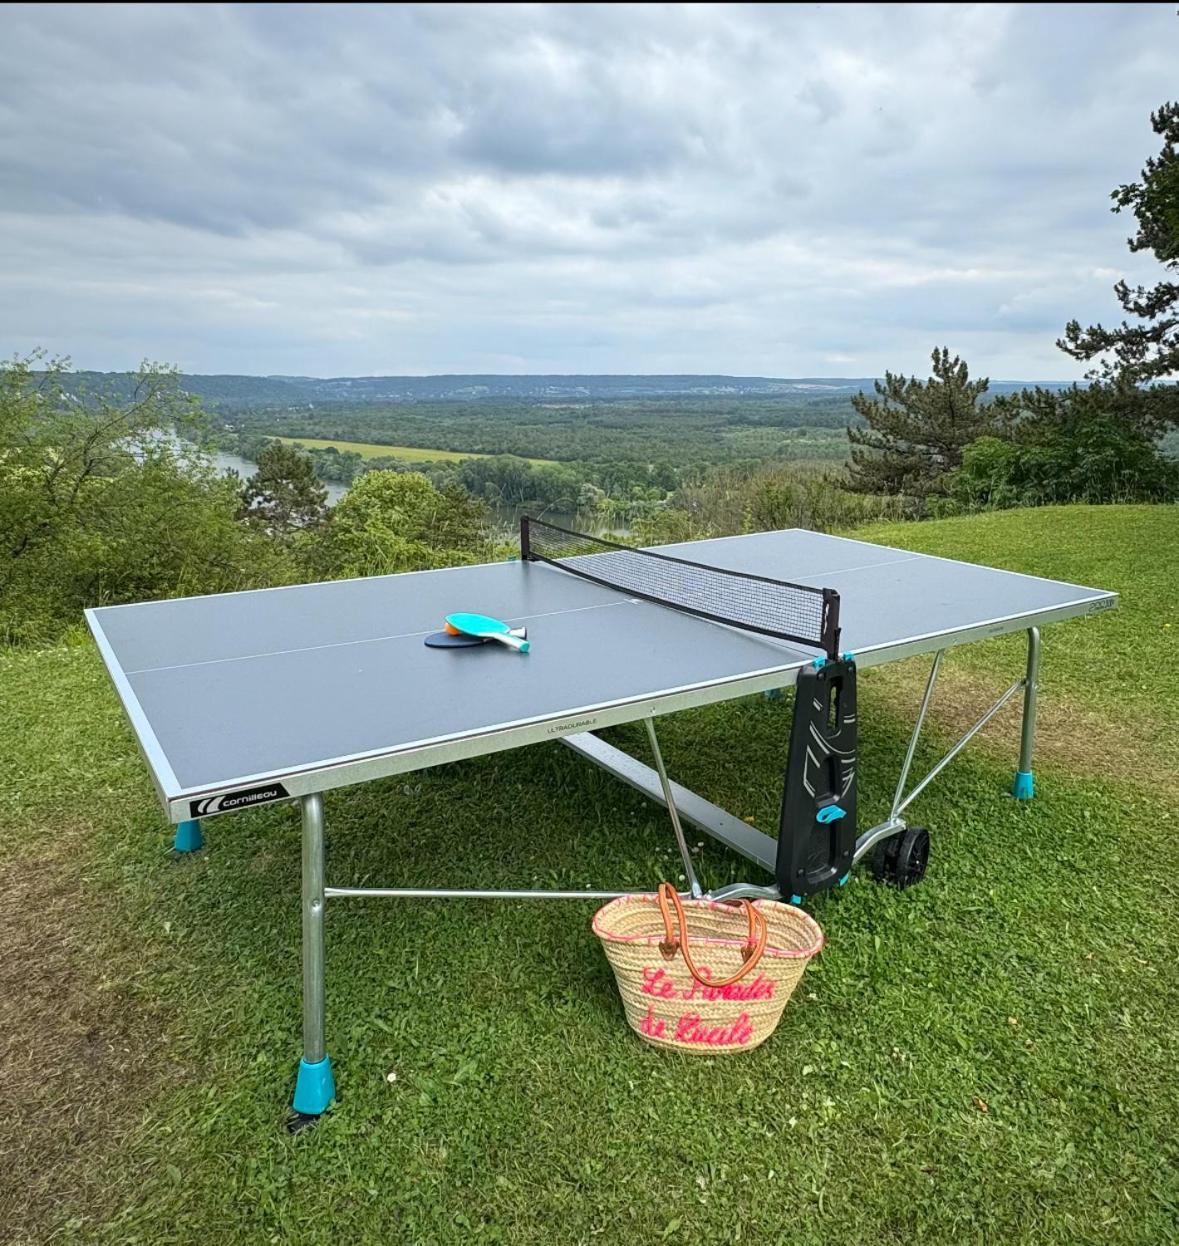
[785,191]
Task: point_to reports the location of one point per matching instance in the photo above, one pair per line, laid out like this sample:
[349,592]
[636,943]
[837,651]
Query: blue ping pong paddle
[486,628]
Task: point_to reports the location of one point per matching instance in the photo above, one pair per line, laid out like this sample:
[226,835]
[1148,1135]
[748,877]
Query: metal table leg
[930,684]
[1024,787]
[315,1087]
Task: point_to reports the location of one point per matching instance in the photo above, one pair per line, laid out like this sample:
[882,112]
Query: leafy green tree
[54,444]
[167,527]
[100,502]
[503,478]
[398,521]
[284,494]
[917,429]
[589,499]
[1085,444]
[557,486]
[338,466]
[1147,348]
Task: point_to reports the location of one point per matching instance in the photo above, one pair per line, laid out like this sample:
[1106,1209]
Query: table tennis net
[796,612]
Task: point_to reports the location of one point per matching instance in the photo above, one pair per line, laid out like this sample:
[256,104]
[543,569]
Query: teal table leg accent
[315,1087]
[188,837]
[1024,787]
[772,694]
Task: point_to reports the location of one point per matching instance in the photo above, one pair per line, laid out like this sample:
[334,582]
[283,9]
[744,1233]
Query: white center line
[366,640]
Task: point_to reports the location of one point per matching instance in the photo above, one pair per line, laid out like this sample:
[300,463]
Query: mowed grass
[987,1057]
[374,450]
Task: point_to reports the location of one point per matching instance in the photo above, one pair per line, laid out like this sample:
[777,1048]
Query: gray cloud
[764,189]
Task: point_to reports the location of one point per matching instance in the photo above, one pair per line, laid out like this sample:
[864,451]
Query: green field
[989,1057]
[373,450]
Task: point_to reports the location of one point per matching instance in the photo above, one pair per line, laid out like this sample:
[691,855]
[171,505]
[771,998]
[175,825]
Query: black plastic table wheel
[901,860]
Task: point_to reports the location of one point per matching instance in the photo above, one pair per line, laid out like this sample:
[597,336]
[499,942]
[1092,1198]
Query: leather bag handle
[759,936]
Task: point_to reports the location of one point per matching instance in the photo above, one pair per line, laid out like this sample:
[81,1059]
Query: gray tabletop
[323,684]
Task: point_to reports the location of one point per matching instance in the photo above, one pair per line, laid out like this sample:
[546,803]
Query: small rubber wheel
[901,860]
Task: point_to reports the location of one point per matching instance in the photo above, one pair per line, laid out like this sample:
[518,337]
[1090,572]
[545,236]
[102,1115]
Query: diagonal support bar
[962,743]
[894,824]
[669,801]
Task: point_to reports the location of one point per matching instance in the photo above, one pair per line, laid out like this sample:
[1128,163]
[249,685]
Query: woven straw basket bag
[720,988]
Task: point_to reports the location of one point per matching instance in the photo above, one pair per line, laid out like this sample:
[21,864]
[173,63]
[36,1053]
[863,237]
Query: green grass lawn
[988,1057]
[375,450]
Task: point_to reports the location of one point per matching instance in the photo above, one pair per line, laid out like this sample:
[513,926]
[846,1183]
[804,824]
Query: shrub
[1079,445]
[762,497]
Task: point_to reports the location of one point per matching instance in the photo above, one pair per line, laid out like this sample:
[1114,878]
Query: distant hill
[466,388]
[232,390]
[243,391]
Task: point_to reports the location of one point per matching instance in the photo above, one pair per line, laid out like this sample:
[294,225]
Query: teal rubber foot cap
[188,837]
[1025,787]
[315,1087]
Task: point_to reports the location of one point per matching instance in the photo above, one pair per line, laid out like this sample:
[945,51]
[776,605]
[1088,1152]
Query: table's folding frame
[315,1086]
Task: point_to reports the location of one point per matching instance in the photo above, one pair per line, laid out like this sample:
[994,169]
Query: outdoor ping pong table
[241,699]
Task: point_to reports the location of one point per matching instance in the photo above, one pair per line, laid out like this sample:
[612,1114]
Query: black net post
[830,637]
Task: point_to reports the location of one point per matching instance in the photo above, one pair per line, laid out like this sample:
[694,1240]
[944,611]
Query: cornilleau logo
[237,800]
